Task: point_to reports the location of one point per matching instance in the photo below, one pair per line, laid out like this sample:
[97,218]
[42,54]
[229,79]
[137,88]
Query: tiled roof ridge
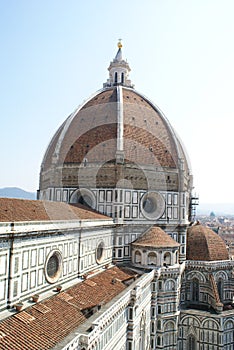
[15,209]
[151,233]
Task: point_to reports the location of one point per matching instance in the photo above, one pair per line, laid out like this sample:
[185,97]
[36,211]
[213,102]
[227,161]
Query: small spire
[118,56]
[118,70]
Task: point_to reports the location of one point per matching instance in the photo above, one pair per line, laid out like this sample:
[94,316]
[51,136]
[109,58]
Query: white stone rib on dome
[180,149]
[67,123]
[179,145]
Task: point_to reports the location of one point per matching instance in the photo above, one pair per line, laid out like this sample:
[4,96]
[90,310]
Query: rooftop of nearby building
[12,209]
[46,323]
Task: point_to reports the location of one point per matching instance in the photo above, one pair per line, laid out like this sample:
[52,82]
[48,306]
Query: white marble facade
[26,255]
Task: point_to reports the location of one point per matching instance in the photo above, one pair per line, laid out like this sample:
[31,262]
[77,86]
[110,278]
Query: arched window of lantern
[116,77]
[167,258]
[137,257]
[152,259]
[122,78]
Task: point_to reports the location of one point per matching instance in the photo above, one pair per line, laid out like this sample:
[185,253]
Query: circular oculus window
[85,197]
[53,266]
[100,253]
[152,205]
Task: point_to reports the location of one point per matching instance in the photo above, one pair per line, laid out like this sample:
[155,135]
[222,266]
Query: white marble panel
[3,264]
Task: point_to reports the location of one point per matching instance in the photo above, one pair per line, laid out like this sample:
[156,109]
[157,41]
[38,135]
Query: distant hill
[15,192]
[217,208]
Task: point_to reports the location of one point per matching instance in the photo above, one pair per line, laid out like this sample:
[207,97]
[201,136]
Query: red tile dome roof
[92,134]
[117,134]
[205,245]
[157,238]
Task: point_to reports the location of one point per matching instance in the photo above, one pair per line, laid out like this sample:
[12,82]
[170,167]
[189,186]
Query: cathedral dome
[116,136]
[117,139]
[120,135]
[205,245]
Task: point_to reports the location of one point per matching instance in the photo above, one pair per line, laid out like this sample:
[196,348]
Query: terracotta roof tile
[12,209]
[64,314]
[157,238]
[205,245]
[24,317]
[92,134]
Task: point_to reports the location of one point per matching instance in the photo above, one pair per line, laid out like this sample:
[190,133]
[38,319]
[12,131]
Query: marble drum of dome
[118,154]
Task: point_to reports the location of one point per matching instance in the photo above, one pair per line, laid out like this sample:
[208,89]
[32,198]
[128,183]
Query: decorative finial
[120,44]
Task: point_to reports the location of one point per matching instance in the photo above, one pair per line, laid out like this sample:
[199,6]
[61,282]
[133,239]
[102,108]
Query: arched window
[170,285]
[138,257]
[122,77]
[167,258]
[116,77]
[195,289]
[228,337]
[169,334]
[220,288]
[191,342]
[152,259]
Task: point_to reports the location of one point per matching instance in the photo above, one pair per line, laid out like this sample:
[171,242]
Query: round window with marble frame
[100,256]
[53,266]
[83,196]
[152,205]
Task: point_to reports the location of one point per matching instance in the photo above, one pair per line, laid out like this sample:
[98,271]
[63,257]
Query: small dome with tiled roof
[205,245]
[157,238]
[154,248]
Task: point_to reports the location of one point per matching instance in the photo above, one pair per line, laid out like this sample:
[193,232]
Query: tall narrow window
[122,78]
[167,258]
[195,289]
[191,343]
[220,288]
[116,77]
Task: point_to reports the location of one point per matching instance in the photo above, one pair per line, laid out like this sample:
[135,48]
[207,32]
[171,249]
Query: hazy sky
[54,54]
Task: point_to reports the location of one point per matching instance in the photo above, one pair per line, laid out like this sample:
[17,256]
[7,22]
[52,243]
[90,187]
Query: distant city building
[107,257]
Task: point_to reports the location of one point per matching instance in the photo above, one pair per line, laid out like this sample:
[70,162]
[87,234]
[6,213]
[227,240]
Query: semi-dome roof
[205,245]
[155,237]
[117,134]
